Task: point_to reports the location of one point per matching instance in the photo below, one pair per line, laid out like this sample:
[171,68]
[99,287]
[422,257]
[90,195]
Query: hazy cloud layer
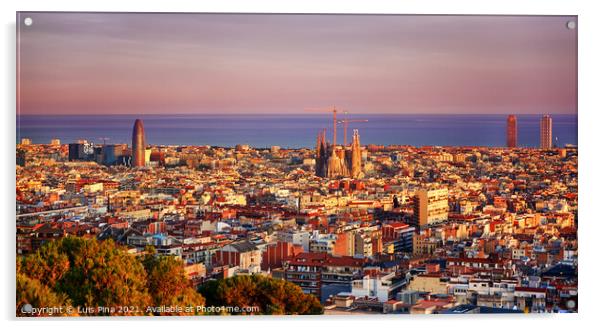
[88,63]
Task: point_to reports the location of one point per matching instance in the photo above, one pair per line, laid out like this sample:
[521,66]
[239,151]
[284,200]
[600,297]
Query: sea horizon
[295,130]
[326,112]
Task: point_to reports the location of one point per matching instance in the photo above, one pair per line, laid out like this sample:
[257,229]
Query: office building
[138,145]
[545,132]
[112,152]
[430,206]
[82,150]
[511,131]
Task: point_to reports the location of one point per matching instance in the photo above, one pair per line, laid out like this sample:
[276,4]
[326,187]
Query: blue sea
[294,131]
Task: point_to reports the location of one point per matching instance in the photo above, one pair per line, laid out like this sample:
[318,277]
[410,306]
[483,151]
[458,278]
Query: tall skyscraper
[511,131]
[138,145]
[545,132]
[430,206]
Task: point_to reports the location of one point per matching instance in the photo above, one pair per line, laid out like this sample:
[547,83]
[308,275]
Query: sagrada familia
[334,161]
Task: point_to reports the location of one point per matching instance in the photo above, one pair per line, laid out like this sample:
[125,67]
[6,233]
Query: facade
[138,145]
[275,253]
[81,151]
[243,254]
[295,237]
[511,131]
[530,299]
[311,271]
[545,132]
[400,234]
[368,243]
[430,207]
[433,283]
[323,243]
[382,286]
[345,244]
[112,153]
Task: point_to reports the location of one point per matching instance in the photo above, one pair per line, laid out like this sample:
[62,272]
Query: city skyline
[268,64]
[297,131]
[299,114]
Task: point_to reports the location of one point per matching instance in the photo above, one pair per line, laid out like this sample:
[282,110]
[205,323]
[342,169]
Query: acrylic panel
[256,164]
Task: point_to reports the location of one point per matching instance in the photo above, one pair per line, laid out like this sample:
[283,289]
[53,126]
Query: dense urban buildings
[511,131]
[545,132]
[386,229]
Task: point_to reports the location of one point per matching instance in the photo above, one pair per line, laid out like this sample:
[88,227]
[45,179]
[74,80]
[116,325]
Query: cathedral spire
[356,155]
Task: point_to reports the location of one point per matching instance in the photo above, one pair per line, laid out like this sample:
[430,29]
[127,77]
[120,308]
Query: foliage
[88,273]
[270,296]
[33,293]
[168,284]
[48,265]
[101,274]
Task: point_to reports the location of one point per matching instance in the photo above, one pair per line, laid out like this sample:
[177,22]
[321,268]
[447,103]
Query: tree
[89,272]
[270,296]
[47,265]
[168,284]
[31,293]
[101,274]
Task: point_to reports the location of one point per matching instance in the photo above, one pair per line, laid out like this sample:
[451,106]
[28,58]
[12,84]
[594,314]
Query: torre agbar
[138,144]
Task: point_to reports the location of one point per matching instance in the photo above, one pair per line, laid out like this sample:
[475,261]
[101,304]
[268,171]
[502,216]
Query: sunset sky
[101,63]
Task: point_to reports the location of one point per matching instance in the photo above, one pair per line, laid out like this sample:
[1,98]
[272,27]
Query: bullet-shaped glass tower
[138,144]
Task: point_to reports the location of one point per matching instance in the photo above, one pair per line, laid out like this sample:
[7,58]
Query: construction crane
[345,123]
[334,121]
